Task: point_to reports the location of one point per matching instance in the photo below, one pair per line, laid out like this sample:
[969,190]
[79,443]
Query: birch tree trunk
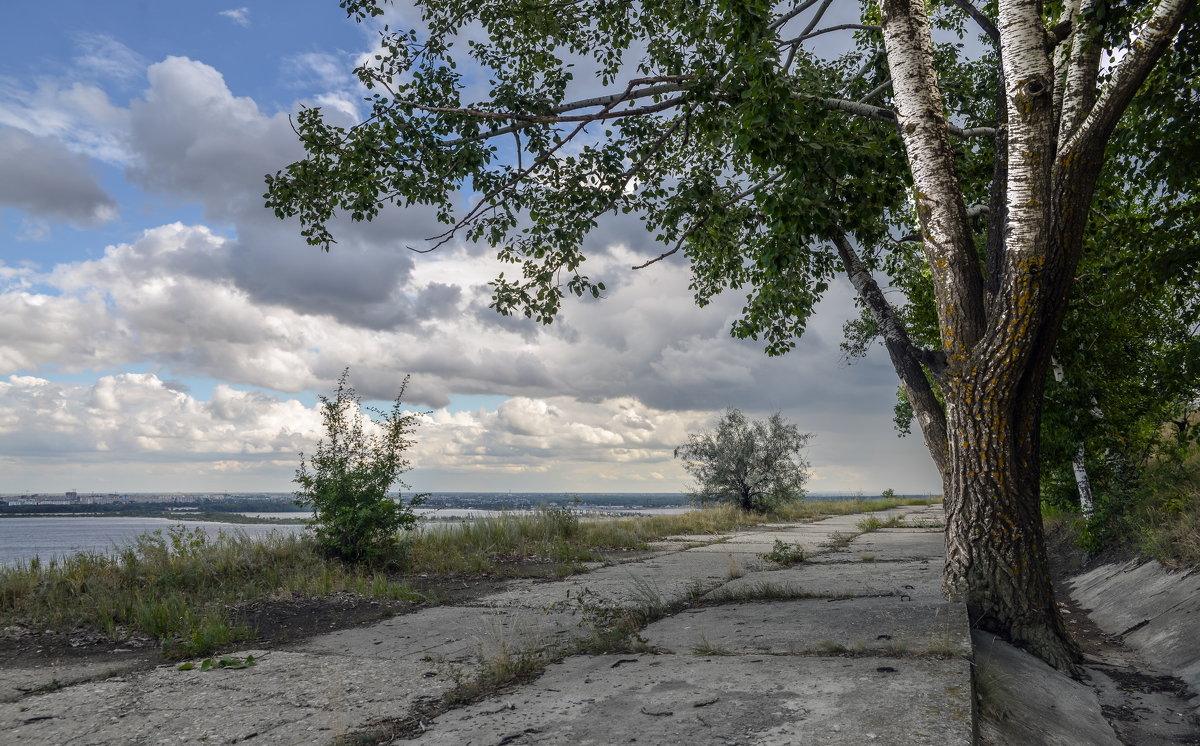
[998,346]
[1087,504]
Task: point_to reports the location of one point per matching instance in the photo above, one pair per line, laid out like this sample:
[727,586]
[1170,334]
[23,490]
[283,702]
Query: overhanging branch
[980,19]
[906,357]
[882,114]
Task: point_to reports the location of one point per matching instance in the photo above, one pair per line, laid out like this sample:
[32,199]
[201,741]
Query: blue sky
[159,330]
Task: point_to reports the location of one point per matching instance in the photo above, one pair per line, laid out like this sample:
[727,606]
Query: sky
[161,331]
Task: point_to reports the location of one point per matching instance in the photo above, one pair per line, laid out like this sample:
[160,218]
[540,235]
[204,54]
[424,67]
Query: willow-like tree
[772,168]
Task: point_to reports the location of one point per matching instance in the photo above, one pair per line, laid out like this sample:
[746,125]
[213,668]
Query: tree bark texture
[995,547]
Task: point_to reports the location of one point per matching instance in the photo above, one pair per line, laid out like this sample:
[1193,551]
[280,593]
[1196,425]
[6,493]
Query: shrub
[757,464]
[348,478]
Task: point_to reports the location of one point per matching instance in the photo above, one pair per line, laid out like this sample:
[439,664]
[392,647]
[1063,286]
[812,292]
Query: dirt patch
[58,656]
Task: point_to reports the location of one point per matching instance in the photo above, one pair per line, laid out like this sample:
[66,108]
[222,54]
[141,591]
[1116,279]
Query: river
[21,539]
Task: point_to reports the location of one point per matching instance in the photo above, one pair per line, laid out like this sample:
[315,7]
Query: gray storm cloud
[44,178]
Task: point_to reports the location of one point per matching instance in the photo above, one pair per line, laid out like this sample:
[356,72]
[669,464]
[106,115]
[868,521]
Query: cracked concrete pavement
[861,649]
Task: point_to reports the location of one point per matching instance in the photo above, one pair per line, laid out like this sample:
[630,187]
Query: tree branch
[906,357]
[486,201]
[817,17]
[1080,66]
[980,19]
[937,189]
[673,86]
[828,29]
[783,19]
[876,91]
[1144,51]
[697,224]
[882,114]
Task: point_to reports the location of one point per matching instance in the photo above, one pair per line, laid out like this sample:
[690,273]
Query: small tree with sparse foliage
[347,480]
[756,464]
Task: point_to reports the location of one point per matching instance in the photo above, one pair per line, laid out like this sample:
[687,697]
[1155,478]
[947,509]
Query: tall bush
[347,481]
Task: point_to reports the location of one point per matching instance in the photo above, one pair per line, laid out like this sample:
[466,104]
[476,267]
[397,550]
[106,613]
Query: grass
[838,540]
[178,587]
[704,647]
[734,570]
[1157,519]
[874,523]
[761,591]
[785,554]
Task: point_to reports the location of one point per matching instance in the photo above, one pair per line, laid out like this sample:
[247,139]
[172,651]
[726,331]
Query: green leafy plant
[875,523]
[347,480]
[785,554]
[231,662]
[838,540]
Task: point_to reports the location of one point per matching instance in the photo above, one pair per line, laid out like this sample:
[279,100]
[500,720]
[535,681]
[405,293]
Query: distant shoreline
[207,516]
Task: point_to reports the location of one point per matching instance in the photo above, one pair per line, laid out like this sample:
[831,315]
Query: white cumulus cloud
[240,16]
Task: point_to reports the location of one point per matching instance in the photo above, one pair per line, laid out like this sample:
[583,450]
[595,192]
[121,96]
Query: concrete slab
[814,626]
[448,633]
[1157,589]
[326,693]
[698,538]
[770,537]
[1024,701]
[900,545]
[1154,609]
[665,579]
[767,700]
[17,682]
[920,580]
[742,549]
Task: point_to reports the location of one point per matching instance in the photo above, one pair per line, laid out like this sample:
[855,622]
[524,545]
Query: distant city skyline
[160,330]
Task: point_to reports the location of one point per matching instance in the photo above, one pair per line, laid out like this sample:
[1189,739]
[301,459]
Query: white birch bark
[1078,62]
[937,191]
[1079,464]
[1028,77]
[1144,51]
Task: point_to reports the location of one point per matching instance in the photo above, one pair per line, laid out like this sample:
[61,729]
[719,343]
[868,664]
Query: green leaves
[230,662]
[751,463]
[713,144]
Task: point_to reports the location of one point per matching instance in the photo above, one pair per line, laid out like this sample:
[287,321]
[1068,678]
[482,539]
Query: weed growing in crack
[764,591]
[612,628]
[838,540]
[785,554]
[734,571]
[875,523]
[704,647]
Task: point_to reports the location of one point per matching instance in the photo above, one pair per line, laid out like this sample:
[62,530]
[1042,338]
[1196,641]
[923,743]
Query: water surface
[22,539]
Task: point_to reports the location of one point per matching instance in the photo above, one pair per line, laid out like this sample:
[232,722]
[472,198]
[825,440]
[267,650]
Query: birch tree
[771,168]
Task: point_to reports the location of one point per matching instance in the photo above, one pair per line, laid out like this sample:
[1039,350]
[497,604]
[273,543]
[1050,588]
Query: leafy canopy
[525,123]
